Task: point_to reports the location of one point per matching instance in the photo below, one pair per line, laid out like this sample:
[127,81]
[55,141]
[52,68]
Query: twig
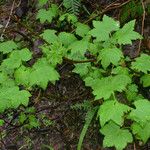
[134,146]
[36,100]
[8,21]
[20,33]
[79,61]
[114,6]
[142,28]
[113,3]
[108,8]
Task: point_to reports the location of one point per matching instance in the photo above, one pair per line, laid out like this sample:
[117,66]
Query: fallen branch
[8,21]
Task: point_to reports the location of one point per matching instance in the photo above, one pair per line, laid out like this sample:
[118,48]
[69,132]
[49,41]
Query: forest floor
[56,101]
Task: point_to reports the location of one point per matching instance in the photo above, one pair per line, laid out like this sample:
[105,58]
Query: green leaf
[142,132]
[71,18]
[5,80]
[66,38]
[78,49]
[54,53]
[22,118]
[105,87]
[43,15]
[42,73]
[142,63]
[42,2]
[49,36]
[115,136]
[30,110]
[102,29]
[1,122]
[110,55]
[142,112]
[126,34]
[22,75]
[82,69]
[145,79]
[95,47]
[121,70]
[15,59]
[91,77]
[12,97]
[33,122]
[112,111]
[47,15]
[82,29]
[25,54]
[132,92]
[7,46]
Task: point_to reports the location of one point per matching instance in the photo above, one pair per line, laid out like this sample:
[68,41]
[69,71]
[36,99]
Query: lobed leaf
[110,55]
[5,80]
[112,111]
[54,53]
[22,75]
[82,29]
[42,73]
[47,15]
[50,36]
[8,46]
[66,38]
[105,87]
[142,63]
[12,97]
[78,49]
[102,29]
[142,132]
[142,112]
[125,35]
[115,136]
[15,59]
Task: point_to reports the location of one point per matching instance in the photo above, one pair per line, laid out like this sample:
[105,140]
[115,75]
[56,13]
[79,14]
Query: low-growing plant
[115,80]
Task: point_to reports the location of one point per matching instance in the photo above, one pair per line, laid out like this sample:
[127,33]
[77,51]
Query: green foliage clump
[113,77]
[108,73]
[47,15]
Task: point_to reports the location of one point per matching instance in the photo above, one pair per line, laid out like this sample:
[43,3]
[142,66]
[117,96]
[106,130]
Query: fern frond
[86,105]
[72,6]
[89,116]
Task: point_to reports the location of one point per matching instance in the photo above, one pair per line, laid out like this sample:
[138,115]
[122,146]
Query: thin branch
[114,6]
[20,33]
[142,28]
[79,61]
[134,146]
[8,21]
[108,8]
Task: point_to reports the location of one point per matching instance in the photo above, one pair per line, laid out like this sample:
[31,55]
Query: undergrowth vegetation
[122,112]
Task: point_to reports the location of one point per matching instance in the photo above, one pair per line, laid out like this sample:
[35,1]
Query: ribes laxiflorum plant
[110,75]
